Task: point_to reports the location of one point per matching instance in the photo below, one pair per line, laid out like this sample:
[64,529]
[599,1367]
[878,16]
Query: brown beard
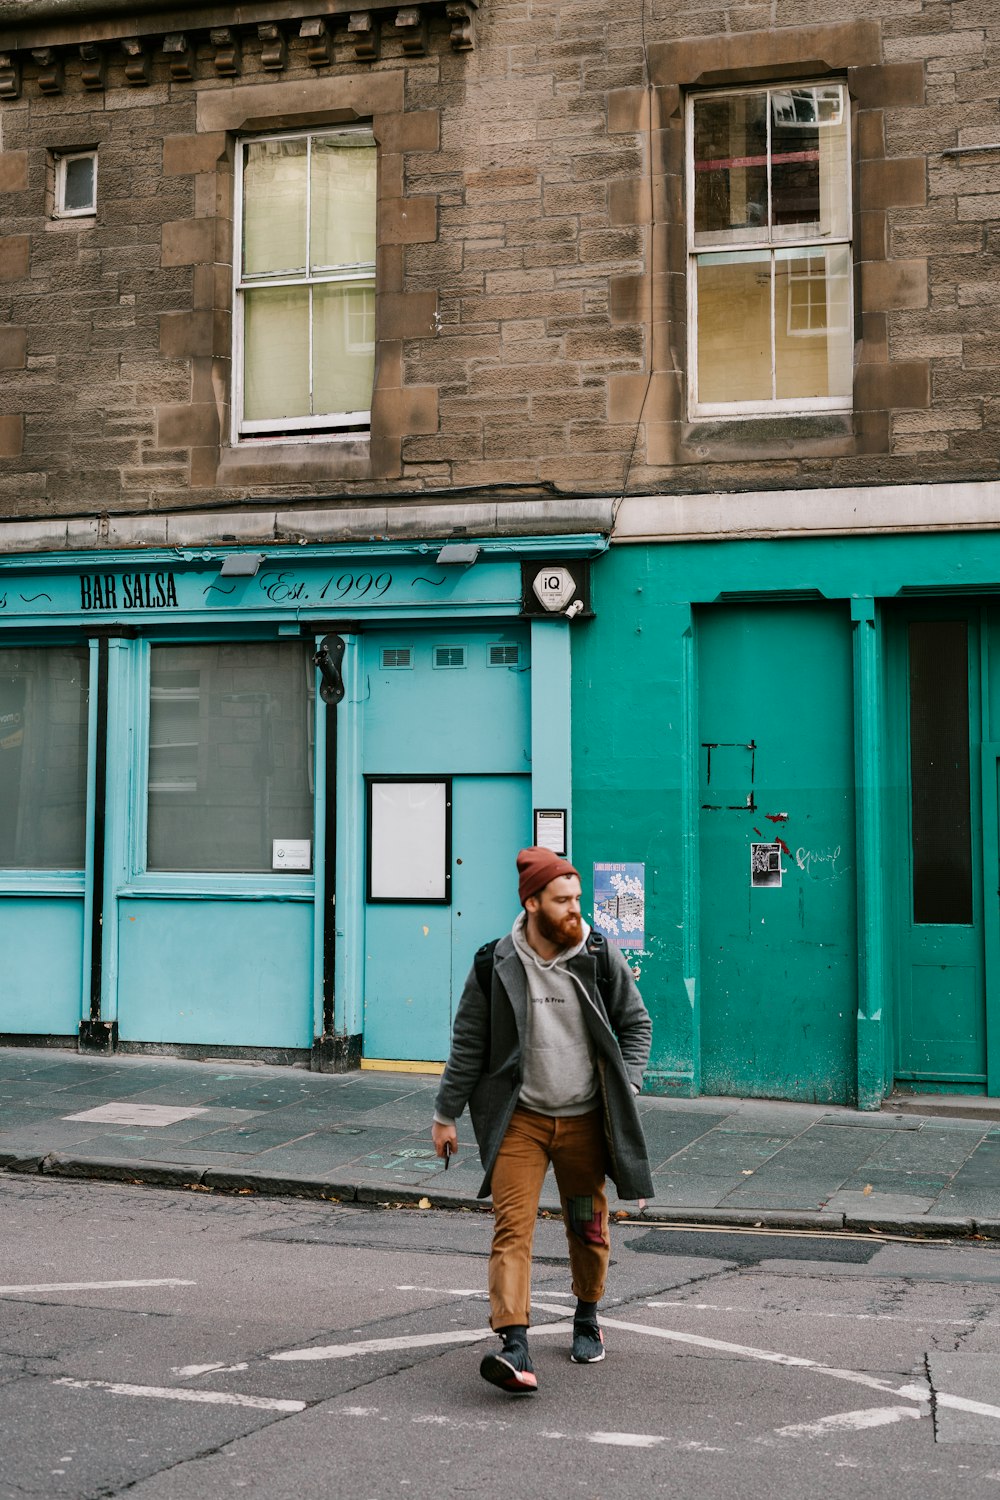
[566,933]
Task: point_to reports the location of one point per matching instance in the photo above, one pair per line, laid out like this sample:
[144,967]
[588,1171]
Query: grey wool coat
[484,1067]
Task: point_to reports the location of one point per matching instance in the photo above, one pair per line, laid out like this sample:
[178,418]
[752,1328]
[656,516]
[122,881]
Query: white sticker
[291,854]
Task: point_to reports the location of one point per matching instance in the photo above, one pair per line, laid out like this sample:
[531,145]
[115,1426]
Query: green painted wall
[629,776]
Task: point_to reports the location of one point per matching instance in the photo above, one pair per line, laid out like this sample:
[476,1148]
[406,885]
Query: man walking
[548,1051]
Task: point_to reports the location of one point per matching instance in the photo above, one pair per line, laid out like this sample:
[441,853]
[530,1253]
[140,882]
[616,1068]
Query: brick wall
[532,262]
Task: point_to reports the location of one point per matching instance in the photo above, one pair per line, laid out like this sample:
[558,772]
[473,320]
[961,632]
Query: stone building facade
[691,309]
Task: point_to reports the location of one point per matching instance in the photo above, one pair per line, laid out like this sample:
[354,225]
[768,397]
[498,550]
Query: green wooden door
[936,663]
[776,852]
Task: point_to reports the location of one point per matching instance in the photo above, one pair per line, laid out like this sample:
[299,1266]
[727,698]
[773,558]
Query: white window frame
[59,209]
[744,242]
[319,426]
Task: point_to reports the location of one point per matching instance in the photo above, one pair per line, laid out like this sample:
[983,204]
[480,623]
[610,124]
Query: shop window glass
[44,695]
[769,239]
[941,815]
[229,755]
[305,290]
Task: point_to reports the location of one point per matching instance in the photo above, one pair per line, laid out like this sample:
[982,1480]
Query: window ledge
[817,434]
[285,462]
[64,222]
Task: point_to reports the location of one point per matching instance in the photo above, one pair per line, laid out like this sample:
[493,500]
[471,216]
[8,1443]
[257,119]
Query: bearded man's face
[558,912]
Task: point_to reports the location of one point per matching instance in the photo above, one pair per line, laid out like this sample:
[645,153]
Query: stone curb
[291,1185]
[121,1169]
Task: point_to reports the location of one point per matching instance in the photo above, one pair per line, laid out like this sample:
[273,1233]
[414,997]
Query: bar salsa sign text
[107,592]
[127,591]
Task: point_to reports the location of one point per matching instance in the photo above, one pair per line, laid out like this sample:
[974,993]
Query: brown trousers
[575,1147]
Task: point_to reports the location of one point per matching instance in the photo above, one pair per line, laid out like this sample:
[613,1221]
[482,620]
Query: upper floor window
[304,356]
[76,185]
[769,250]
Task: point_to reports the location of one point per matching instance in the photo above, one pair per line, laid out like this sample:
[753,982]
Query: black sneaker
[588,1344]
[511,1369]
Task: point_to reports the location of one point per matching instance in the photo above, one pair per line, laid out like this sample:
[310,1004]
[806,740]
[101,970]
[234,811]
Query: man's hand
[444,1137]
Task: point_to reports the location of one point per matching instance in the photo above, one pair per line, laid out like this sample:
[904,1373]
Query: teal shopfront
[800,742]
[267,804]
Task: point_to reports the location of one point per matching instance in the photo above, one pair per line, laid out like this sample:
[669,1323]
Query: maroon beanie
[536,867]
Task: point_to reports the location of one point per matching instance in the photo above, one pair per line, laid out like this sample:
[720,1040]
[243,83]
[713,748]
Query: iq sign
[554,588]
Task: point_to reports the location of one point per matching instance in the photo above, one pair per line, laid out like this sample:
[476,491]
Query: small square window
[76,185]
[449,656]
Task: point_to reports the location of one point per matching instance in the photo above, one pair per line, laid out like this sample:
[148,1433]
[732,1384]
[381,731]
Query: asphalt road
[187,1346]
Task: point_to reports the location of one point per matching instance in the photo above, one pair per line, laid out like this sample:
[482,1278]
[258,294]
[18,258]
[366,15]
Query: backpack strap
[483,965]
[597,946]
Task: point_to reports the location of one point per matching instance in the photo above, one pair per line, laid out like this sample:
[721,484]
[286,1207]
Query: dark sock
[586,1312]
[515,1336]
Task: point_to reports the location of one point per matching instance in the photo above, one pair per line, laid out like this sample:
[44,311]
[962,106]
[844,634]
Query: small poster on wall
[620,904]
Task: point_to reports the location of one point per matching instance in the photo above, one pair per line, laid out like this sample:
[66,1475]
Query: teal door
[776,852]
[937,662]
[418,955]
[47,718]
[454,714]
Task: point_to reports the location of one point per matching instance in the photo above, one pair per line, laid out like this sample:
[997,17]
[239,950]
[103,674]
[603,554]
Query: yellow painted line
[393,1065]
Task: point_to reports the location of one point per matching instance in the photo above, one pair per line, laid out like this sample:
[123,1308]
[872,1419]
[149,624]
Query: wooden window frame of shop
[658,298]
[203,335]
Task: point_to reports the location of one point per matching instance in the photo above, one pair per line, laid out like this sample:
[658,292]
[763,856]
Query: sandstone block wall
[532,264]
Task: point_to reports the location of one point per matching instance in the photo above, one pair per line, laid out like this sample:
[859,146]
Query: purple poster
[620,904]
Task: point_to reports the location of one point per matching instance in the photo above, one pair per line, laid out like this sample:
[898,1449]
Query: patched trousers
[575,1147]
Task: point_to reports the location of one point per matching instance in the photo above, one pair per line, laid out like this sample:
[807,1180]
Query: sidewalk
[365,1137]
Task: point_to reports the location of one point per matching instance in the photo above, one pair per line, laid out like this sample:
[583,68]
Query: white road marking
[380,1346]
[956,1403]
[812,1313]
[448,1291]
[850,1421]
[794,1361]
[171,1393]
[156,1115]
[186,1372]
[625,1439]
[465,1291]
[406,1341]
[89,1286]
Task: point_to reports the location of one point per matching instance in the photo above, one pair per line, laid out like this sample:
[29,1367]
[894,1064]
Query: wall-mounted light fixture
[241,565]
[459,554]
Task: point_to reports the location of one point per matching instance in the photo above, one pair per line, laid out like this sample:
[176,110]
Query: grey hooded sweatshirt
[558,1076]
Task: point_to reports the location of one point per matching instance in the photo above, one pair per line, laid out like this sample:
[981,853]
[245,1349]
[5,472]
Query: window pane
[939,771]
[78,183]
[44,694]
[276,353]
[730,167]
[734,327]
[813,340]
[343,202]
[809,161]
[229,754]
[274,206]
[343,347]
